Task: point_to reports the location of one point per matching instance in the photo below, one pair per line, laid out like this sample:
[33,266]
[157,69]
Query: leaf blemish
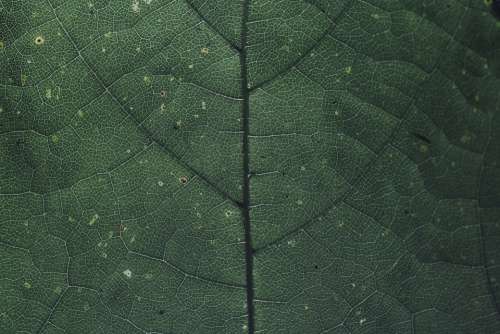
[183,179]
[39,40]
[127,273]
[93,220]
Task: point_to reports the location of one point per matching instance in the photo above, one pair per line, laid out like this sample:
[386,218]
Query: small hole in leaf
[316,266]
[39,40]
[183,179]
[161,312]
[406,212]
[163,93]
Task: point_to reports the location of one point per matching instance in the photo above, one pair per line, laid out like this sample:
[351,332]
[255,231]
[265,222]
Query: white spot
[362,321]
[203,105]
[191,66]
[292,243]
[160,183]
[127,273]
[300,202]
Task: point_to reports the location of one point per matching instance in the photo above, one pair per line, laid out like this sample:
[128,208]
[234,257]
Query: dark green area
[256,166]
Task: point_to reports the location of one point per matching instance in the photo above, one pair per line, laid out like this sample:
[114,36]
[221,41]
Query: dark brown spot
[163,93]
[183,179]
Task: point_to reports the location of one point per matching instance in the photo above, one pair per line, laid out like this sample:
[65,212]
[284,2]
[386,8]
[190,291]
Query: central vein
[245,110]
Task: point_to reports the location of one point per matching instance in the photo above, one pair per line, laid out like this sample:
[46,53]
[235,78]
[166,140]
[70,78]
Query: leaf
[257,166]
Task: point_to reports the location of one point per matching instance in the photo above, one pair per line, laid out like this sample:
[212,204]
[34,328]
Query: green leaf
[254,166]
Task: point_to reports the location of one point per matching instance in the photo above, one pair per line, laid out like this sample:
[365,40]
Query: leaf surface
[257,166]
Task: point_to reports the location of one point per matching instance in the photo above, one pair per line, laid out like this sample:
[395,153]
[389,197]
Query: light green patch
[147,80]
[24,79]
[94,219]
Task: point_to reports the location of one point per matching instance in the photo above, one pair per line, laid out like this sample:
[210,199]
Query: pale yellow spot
[109,34]
[58,290]
[424,148]
[2,45]
[147,80]
[204,51]
[54,138]
[81,114]
[191,66]
[27,285]
[48,93]
[348,69]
